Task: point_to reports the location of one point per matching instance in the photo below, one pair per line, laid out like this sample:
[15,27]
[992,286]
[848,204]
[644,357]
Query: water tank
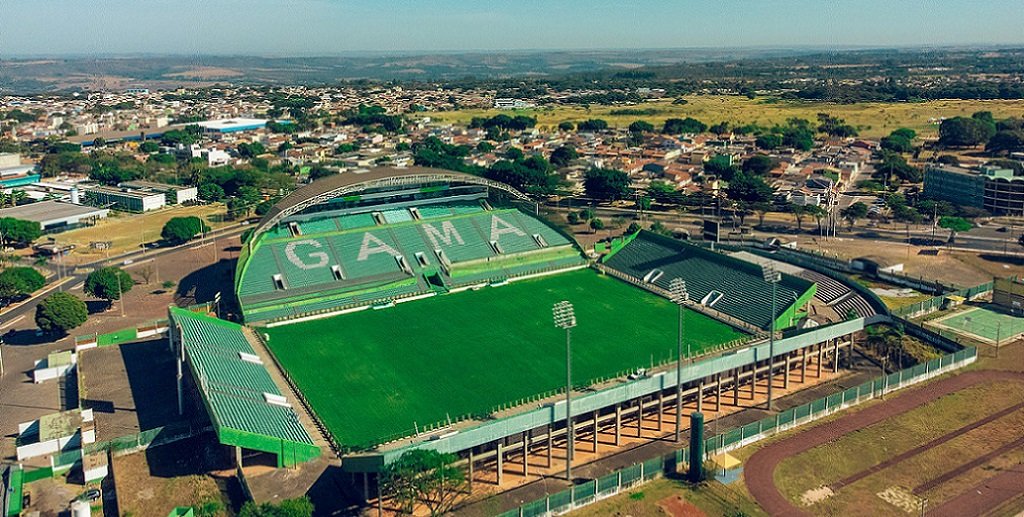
[76,197]
[80,509]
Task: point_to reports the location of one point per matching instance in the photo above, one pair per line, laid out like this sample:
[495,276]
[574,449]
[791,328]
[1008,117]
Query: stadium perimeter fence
[936,303]
[634,475]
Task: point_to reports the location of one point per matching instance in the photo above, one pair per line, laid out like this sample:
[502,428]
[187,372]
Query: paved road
[75,279]
[982,239]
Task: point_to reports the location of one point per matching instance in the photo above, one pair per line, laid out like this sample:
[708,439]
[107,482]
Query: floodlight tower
[772,276]
[679,295]
[565,318]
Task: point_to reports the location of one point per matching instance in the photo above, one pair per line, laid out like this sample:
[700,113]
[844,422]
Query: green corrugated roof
[234,388]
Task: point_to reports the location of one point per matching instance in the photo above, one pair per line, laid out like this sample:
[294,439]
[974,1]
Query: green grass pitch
[370,375]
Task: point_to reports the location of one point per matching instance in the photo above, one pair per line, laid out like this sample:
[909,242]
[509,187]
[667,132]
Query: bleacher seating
[325,257]
[745,291]
[855,302]
[829,289]
[397,215]
[318,226]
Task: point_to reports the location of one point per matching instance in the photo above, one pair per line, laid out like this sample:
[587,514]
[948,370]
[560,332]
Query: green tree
[768,141]
[300,507]
[907,133]
[759,165]
[210,192]
[955,225]
[424,476]
[897,143]
[18,232]
[179,230]
[818,213]
[484,147]
[149,147]
[566,126]
[596,224]
[641,126]
[563,155]
[591,125]
[748,188]
[720,167]
[1008,141]
[608,184]
[573,218]
[632,228]
[108,283]
[61,312]
[854,212]
[20,281]
[688,125]
[965,132]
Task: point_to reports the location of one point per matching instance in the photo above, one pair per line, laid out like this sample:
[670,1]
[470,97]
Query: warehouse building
[55,216]
[232,125]
[126,199]
[175,194]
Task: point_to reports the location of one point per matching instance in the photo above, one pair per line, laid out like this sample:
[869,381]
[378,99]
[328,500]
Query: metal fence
[933,304]
[611,484]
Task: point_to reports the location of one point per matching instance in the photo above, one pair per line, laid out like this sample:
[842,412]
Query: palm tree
[799,211]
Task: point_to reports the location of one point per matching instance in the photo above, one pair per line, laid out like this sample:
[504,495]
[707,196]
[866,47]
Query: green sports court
[377,374]
[984,324]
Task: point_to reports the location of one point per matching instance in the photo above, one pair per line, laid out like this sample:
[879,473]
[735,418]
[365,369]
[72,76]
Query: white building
[57,432]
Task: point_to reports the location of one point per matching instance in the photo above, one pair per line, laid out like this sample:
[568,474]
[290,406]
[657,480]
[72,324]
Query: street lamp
[772,276]
[565,318]
[679,295]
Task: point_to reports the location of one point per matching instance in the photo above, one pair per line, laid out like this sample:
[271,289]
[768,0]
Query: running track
[760,468]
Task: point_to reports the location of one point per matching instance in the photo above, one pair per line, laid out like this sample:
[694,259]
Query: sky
[331,27]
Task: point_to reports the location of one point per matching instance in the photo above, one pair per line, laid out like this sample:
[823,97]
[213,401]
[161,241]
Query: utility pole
[120,295]
[565,318]
[677,290]
[772,277]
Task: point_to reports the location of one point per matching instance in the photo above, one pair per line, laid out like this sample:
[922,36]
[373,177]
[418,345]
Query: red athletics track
[761,466]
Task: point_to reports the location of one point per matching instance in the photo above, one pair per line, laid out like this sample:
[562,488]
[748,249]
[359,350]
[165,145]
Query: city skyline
[336,27]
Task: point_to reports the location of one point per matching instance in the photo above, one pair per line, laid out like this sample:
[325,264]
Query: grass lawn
[872,119]
[127,231]
[713,498]
[370,375]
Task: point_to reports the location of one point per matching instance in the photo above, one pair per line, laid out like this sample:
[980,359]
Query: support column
[380,498]
[595,432]
[736,388]
[366,486]
[618,423]
[501,463]
[718,393]
[753,381]
[238,457]
[785,371]
[639,417]
[820,357]
[835,358]
[526,453]
[551,444]
[471,462]
[803,365]
[700,396]
[661,408]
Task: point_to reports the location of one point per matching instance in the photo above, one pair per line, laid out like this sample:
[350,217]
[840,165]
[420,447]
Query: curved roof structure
[338,185]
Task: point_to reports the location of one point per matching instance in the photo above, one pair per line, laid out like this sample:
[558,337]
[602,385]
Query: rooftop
[59,425]
[232,123]
[48,211]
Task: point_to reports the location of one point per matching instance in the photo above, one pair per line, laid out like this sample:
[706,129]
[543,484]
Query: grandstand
[726,284]
[245,406]
[427,234]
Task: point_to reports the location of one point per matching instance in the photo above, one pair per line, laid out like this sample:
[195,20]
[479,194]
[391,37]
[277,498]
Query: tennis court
[984,324]
[379,374]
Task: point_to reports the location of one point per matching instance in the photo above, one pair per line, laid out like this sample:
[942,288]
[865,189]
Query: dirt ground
[128,231]
[130,388]
[950,267]
[155,481]
[762,466]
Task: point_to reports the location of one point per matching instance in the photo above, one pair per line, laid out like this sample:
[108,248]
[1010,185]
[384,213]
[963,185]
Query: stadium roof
[336,185]
[236,387]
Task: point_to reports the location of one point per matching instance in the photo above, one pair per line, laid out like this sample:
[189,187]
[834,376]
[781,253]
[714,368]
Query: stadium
[411,308]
